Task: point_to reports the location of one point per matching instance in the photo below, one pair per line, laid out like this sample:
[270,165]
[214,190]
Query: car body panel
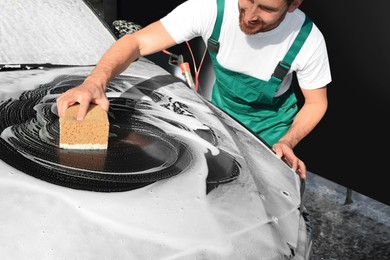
[180,179]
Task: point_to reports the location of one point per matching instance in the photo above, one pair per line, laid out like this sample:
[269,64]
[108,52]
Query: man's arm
[116,59]
[312,111]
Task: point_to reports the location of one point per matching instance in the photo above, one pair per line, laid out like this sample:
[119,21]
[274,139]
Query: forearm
[127,49]
[116,59]
[306,120]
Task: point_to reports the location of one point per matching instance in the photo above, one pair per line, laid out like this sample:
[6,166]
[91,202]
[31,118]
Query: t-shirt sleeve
[316,71]
[192,18]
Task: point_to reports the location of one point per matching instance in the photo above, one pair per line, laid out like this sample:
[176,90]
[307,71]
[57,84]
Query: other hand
[286,153]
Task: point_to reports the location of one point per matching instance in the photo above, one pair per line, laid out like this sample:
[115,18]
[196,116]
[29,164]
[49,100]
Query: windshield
[28,34]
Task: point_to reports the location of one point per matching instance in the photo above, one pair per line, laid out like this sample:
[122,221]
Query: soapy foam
[169,219]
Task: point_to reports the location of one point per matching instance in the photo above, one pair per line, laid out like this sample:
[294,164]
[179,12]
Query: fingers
[297,165]
[84,95]
[68,99]
[287,155]
[278,150]
[83,108]
[103,103]
[62,105]
[301,170]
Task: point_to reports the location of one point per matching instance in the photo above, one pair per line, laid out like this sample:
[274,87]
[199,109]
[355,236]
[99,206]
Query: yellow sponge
[90,133]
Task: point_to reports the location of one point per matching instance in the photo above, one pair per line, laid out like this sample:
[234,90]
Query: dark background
[350,145]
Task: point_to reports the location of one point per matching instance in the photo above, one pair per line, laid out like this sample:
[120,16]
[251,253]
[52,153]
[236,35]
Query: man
[255,47]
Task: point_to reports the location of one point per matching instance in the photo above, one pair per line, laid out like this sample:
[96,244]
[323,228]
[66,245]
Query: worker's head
[264,15]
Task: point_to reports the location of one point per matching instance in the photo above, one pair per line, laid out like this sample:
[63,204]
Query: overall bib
[251,100]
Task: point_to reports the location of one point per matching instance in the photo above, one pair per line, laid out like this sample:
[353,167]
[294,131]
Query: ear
[294,5]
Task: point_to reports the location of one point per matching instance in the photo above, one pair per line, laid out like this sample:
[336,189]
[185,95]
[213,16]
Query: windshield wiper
[34,66]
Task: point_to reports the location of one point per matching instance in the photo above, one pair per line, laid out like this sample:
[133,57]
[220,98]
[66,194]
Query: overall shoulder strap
[213,43]
[283,66]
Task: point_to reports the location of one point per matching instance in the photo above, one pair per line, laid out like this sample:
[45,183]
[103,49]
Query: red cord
[197,70]
[166,52]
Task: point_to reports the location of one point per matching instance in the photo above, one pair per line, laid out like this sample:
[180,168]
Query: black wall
[145,12]
[350,145]
[153,11]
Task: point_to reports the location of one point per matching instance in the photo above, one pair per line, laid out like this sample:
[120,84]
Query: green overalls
[251,100]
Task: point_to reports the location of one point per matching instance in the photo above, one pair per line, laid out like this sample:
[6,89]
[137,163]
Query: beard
[250,28]
[257,26]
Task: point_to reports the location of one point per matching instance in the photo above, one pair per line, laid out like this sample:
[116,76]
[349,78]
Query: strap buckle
[281,70]
[213,45]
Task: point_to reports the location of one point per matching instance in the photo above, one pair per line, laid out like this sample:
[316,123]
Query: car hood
[250,191]
[180,178]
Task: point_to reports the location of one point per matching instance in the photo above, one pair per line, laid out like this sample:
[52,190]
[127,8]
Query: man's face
[261,15]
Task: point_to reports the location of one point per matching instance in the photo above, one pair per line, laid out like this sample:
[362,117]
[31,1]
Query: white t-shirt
[255,55]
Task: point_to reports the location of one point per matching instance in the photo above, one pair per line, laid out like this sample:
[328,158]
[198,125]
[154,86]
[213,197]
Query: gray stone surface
[358,230]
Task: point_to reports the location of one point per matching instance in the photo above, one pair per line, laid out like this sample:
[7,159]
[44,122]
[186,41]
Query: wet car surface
[180,179]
